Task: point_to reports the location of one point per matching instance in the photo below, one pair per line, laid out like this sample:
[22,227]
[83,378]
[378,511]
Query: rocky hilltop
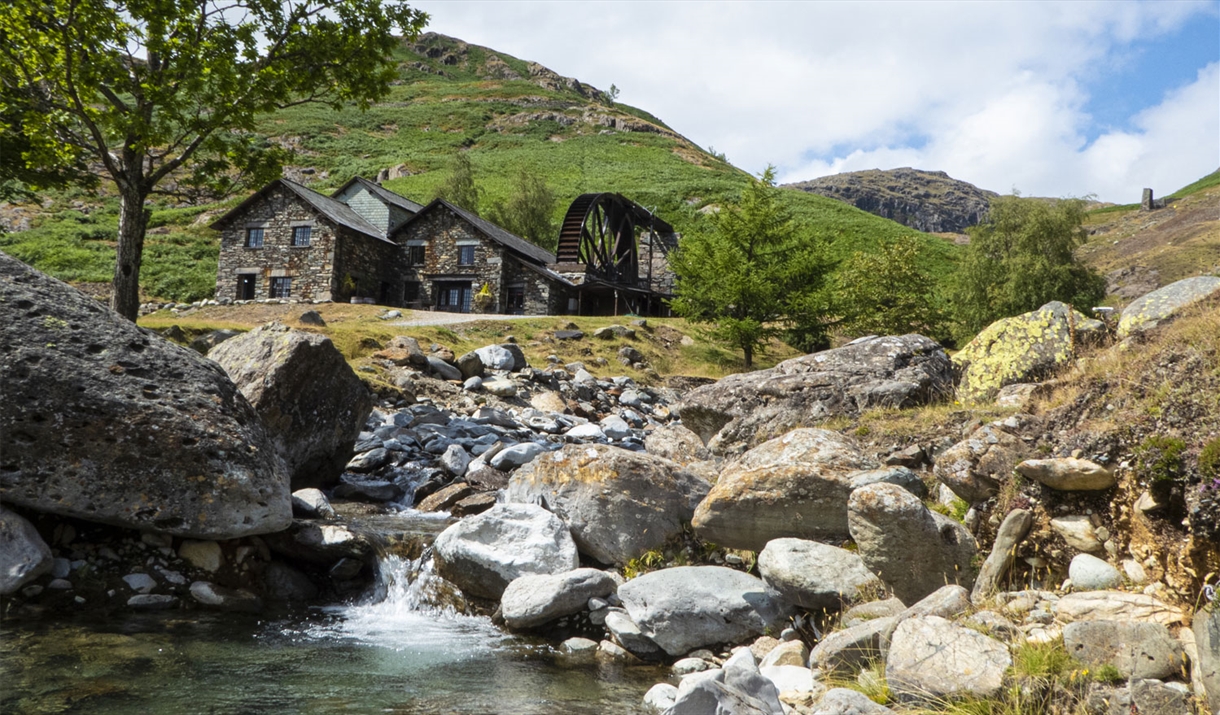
[930,201]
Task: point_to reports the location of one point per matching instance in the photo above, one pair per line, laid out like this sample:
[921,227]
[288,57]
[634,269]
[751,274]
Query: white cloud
[990,92]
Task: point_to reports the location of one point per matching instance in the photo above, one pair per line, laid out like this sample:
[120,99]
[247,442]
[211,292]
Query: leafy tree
[752,275]
[1020,259]
[528,210]
[163,94]
[612,94]
[887,293]
[18,180]
[458,186]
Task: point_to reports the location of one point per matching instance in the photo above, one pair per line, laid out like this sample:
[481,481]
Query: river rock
[789,678]
[1206,629]
[661,696]
[225,599]
[500,388]
[931,657]
[688,607]
[847,650]
[1023,348]
[625,631]
[140,582]
[1137,650]
[516,455]
[536,599]
[1089,573]
[587,431]
[617,503]
[152,602]
[321,544]
[446,497]
[1148,311]
[1067,474]
[455,460]
[843,701]
[495,357]
[1008,537]
[311,504]
[308,396]
[796,485]
[786,653]
[484,553]
[736,688]
[108,422]
[24,556]
[443,370]
[976,467]
[203,555]
[1116,606]
[915,551]
[285,583]
[814,575]
[743,409]
[404,350]
[676,443]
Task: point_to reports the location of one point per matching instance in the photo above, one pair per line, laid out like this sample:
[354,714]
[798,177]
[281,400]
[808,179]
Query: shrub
[1209,460]
[1159,458]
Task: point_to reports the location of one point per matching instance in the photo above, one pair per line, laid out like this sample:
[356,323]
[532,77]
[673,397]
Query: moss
[1209,460]
[1159,458]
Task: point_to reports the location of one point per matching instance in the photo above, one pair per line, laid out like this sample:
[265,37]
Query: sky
[1045,98]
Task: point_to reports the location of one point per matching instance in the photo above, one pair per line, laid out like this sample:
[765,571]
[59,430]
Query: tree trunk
[748,351]
[133,221]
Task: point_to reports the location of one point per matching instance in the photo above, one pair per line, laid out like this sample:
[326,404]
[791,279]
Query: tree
[1021,258]
[528,210]
[752,275]
[163,94]
[458,186]
[886,292]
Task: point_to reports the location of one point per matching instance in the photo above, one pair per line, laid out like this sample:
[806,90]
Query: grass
[1212,179]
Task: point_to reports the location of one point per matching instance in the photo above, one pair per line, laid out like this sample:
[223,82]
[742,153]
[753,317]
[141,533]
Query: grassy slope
[425,119]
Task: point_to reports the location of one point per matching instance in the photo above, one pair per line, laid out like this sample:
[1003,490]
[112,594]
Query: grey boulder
[1089,573]
[309,398]
[676,443]
[536,599]
[737,688]
[933,659]
[145,434]
[842,701]
[814,575]
[976,467]
[1135,649]
[744,409]
[24,556]
[495,357]
[484,553]
[687,607]
[617,503]
[1146,312]
[1068,474]
[1206,628]
[796,485]
[915,551]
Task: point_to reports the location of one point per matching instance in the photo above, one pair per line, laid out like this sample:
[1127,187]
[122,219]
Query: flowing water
[394,653]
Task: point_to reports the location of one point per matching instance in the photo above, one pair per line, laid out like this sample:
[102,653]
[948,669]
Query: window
[281,287]
[245,286]
[466,255]
[300,235]
[254,238]
[415,255]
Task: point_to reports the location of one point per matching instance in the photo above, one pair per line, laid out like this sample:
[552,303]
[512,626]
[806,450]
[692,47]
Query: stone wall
[277,213]
[367,267]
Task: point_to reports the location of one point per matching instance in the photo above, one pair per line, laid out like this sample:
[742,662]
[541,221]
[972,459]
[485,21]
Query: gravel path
[424,317]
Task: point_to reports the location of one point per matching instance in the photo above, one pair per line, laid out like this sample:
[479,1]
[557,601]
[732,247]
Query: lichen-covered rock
[1023,348]
[24,556]
[915,551]
[307,395]
[1148,311]
[796,485]
[677,443]
[108,422]
[976,467]
[1135,649]
[1068,474]
[934,659]
[617,503]
[745,409]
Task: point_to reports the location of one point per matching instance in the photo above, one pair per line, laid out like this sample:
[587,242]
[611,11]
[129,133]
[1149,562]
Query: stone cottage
[290,242]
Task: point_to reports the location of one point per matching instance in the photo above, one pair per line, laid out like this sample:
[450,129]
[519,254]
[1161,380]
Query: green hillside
[506,113]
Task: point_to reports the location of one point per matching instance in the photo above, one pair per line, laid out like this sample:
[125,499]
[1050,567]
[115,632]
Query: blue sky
[1050,98]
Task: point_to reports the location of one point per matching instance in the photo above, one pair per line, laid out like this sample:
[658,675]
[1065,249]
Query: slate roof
[382,193]
[336,211]
[516,244]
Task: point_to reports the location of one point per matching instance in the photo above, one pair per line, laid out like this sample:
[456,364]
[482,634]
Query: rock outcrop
[310,400]
[1149,311]
[107,422]
[744,409]
[796,485]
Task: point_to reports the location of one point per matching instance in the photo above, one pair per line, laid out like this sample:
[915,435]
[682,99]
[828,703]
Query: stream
[394,652]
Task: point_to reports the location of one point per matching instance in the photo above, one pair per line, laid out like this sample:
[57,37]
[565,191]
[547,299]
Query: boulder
[813,575]
[225,599]
[931,658]
[1145,697]
[676,443]
[842,701]
[483,554]
[312,317]
[443,370]
[519,361]
[661,696]
[1206,629]
[516,455]
[786,653]
[915,551]
[321,544]
[309,398]
[1067,474]
[311,504]
[741,410]
[24,556]
[285,583]
[687,607]
[976,467]
[1116,606]
[404,350]
[536,599]
[470,365]
[204,343]
[500,388]
[108,422]
[626,632]
[455,460]
[1135,649]
[495,357]
[1148,311]
[1008,537]
[617,503]
[796,485]
[902,476]
[847,650]
[1077,530]
[737,687]
[1089,573]
[1023,348]
[790,678]
[873,609]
